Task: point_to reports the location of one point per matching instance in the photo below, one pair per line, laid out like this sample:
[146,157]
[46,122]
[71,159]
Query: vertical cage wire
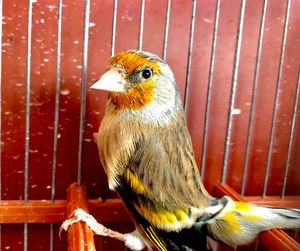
[1,16]
[254,88]
[83,85]
[190,50]
[209,87]
[27,121]
[277,93]
[141,24]
[56,112]
[233,90]
[57,91]
[114,28]
[291,138]
[167,20]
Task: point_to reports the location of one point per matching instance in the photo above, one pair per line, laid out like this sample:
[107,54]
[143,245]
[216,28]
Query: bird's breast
[116,141]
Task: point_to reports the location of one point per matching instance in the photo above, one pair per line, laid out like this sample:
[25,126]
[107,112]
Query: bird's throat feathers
[137,97]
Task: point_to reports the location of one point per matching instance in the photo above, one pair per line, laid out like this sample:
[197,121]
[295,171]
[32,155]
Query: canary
[146,151]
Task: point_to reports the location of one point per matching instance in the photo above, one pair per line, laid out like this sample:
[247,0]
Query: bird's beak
[112,80]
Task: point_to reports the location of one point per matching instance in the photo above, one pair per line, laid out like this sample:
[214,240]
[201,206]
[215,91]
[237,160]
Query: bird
[146,151]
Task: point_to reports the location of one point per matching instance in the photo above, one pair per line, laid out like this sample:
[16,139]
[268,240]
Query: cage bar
[209,88]
[291,138]
[1,6]
[233,91]
[277,93]
[114,28]
[189,60]
[1,16]
[57,90]
[167,20]
[56,111]
[83,85]
[254,88]
[141,24]
[44,211]
[27,121]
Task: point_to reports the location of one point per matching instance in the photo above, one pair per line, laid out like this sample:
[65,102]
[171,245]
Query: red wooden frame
[80,237]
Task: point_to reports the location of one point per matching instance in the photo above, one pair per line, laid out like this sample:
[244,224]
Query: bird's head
[139,80]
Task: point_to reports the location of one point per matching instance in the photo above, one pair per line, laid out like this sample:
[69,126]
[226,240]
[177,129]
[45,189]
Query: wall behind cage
[218,51]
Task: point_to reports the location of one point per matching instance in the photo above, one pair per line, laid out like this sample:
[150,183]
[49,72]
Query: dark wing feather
[161,183]
[164,163]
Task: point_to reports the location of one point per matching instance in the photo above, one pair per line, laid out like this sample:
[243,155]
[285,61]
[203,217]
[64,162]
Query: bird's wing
[164,163]
[163,175]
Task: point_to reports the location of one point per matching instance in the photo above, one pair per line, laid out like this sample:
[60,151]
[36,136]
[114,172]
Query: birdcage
[237,66]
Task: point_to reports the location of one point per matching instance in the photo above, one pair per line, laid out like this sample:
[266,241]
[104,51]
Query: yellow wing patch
[243,206]
[248,211]
[157,215]
[232,222]
[134,182]
[169,219]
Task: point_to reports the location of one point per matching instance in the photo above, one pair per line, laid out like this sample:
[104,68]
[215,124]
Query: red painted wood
[221,82]
[12,237]
[204,24]
[112,210]
[246,69]
[98,56]
[154,26]
[178,40]
[71,63]
[277,201]
[80,236]
[13,102]
[265,95]
[287,96]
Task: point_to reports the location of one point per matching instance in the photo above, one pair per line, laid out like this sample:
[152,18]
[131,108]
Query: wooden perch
[80,236]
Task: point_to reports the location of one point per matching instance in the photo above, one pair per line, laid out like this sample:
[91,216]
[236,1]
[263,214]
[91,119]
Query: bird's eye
[146,73]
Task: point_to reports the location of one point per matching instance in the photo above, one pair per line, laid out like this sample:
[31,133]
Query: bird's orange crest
[131,61]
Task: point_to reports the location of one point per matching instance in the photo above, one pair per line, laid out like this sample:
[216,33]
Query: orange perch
[80,236]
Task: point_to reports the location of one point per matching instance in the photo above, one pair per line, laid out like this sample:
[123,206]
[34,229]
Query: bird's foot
[131,240]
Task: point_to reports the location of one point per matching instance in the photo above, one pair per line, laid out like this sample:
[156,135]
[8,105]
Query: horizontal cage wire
[237,65]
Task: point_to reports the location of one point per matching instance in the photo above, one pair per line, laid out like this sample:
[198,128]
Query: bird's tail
[238,223]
